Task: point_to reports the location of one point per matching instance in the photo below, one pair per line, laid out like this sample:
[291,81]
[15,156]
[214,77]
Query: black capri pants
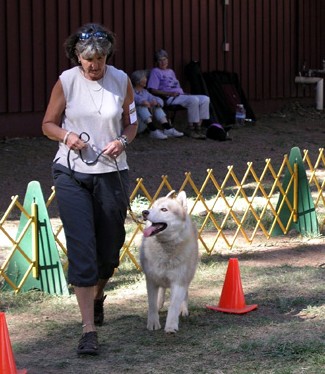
[93,209]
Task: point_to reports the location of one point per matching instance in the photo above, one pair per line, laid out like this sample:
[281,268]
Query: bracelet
[66,137]
[123,140]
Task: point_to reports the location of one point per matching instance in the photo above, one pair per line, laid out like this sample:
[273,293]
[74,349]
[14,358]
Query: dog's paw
[153,325]
[172,329]
[184,312]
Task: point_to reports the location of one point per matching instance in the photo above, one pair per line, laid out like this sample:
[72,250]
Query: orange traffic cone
[7,361]
[232,298]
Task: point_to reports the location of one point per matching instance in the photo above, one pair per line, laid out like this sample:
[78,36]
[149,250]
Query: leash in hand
[85,137]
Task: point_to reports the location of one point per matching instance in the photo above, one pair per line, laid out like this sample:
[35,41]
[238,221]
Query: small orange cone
[7,361]
[232,298]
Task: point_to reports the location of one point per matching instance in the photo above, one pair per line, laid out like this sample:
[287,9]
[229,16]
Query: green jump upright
[48,276]
[307,223]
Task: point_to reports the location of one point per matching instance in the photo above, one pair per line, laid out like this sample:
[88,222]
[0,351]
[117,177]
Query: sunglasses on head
[96,35]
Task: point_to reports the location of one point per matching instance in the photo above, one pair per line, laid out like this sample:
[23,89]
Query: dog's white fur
[168,258]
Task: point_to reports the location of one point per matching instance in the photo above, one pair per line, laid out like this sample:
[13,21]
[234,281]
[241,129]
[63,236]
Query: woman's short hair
[137,75]
[161,53]
[90,39]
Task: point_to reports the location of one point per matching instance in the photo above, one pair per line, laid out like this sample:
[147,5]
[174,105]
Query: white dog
[169,257]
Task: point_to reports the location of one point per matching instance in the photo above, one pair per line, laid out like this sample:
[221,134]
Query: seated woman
[163,82]
[148,107]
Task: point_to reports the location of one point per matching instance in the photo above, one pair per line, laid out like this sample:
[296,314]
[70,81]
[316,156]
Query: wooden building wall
[268,41]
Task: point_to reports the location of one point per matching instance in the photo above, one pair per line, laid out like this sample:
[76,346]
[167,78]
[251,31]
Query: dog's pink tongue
[148,231]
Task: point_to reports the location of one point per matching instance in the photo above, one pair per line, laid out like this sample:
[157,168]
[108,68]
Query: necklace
[97,90]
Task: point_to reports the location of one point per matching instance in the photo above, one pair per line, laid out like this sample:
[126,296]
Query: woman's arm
[163,94]
[51,125]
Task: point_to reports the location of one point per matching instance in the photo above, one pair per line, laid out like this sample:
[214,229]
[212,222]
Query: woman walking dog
[91,113]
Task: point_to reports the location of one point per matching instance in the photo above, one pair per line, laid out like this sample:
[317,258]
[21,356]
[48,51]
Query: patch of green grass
[285,334]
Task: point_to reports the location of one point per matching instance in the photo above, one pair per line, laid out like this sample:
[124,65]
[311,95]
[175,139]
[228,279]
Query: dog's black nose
[145,213]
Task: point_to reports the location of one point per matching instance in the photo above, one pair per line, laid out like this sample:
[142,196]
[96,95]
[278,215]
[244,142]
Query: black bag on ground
[218,132]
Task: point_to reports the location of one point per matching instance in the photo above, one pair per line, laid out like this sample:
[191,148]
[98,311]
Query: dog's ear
[181,198]
[171,193]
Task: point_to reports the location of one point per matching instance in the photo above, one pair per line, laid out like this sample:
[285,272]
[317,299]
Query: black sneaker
[88,344]
[99,311]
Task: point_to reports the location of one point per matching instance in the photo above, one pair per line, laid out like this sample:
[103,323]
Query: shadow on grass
[274,256]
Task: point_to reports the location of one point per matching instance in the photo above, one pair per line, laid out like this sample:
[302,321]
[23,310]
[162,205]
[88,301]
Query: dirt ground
[273,135]
[25,160]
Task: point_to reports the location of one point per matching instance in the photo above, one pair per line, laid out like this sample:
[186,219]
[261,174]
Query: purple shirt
[164,80]
[144,95]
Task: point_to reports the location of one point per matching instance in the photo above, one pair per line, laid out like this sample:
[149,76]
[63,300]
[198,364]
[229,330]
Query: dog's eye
[163,209]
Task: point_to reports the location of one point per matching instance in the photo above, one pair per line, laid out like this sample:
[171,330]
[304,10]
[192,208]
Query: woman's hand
[74,142]
[146,103]
[114,149]
[173,94]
